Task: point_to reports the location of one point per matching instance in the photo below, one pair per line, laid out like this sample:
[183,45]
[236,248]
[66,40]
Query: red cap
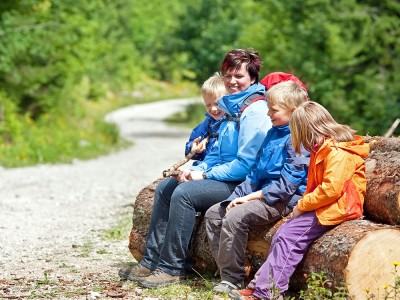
[276,77]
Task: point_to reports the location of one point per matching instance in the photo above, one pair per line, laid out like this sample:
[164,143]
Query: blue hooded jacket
[209,127]
[279,172]
[237,149]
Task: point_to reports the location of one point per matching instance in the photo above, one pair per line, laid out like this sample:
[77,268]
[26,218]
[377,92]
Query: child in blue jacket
[270,191]
[212,89]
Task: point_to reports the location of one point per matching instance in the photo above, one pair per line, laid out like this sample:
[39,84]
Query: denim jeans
[173,218]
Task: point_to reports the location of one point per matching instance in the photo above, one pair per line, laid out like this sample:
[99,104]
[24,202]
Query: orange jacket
[336,181]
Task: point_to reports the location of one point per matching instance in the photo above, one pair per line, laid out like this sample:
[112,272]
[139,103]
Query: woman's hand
[195,175]
[182,175]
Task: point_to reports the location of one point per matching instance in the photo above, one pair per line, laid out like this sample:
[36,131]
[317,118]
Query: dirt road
[54,218]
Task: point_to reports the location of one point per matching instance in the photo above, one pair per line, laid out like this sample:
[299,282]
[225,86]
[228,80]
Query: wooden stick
[392,128]
[172,171]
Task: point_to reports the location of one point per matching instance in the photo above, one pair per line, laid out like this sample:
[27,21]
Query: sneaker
[245,294]
[158,279]
[226,286]
[135,273]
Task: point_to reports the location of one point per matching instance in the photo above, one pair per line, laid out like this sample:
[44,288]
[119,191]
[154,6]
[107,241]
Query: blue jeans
[173,218]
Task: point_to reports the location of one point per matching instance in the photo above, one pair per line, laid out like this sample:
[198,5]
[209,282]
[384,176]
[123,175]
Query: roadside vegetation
[64,64]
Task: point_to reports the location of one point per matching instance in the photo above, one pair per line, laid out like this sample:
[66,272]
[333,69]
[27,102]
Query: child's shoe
[245,294]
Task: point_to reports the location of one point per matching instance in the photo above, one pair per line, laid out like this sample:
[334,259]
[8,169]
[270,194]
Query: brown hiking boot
[135,273]
[159,279]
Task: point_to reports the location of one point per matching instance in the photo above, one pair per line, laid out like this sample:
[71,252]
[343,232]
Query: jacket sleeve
[211,159]
[254,125]
[199,130]
[336,171]
[293,178]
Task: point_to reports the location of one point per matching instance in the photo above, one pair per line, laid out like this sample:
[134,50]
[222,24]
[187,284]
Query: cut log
[141,219]
[356,254]
[382,203]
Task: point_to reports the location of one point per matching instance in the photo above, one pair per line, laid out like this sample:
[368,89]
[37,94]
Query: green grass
[190,117]
[78,132]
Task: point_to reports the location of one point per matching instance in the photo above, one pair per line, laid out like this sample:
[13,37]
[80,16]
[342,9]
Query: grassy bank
[79,132]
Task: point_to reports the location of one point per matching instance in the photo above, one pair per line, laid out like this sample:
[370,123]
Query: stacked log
[357,254]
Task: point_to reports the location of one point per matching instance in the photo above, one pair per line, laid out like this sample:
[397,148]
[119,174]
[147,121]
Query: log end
[370,265]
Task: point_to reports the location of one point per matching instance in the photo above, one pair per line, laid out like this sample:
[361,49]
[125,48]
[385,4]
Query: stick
[392,128]
[172,171]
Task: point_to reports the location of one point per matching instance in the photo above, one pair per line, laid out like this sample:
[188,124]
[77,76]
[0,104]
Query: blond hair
[311,124]
[214,86]
[287,95]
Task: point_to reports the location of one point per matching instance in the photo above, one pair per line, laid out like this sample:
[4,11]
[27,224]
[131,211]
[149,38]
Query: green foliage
[319,287]
[58,56]
[193,115]
[346,52]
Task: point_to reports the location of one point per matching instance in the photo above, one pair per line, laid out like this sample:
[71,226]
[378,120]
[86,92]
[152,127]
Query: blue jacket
[237,149]
[209,127]
[279,172]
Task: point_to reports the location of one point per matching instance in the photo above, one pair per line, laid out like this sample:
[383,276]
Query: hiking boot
[226,287]
[135,273]
[159,279]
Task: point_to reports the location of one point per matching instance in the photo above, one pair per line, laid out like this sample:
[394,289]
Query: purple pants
[289,245]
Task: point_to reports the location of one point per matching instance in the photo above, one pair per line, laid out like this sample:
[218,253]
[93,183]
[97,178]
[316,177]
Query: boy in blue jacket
[212,89]
[270,191]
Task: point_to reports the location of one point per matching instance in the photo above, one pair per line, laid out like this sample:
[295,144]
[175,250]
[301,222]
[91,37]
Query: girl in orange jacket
[335,193]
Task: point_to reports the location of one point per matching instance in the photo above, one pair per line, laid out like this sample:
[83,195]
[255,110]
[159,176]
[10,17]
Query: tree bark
[382,203]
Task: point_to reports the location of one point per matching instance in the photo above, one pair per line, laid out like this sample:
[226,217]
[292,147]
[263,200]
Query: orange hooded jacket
[336,181]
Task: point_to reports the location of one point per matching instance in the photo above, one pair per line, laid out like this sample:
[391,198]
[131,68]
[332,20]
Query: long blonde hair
[311,124]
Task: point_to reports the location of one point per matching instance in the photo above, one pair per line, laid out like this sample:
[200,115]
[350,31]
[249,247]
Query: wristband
[204,175]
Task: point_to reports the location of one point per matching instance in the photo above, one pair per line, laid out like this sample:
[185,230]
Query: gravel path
[53,217]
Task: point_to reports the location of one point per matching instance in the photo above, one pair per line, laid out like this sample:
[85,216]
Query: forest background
[65,63]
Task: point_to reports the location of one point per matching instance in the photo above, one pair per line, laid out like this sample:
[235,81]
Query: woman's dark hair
[234,59]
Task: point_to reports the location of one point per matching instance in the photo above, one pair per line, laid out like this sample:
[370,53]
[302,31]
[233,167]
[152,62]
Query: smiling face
[237,80]
[211,104]
[279,116]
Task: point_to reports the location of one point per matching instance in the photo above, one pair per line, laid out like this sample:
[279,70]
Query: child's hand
[296,212]
[236,202]
[197,146]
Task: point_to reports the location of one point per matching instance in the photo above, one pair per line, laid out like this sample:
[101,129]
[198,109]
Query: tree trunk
[382,203]
[356,254]
[141,219]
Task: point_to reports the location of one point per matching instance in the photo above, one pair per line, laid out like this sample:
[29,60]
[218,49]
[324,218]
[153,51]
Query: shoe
[245,294]
[135,273]
[226,286]
[159,278]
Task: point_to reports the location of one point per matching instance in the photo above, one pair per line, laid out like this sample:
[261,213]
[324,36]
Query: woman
[166,259]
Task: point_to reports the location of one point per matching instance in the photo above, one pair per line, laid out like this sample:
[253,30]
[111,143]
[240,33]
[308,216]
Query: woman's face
[237,80]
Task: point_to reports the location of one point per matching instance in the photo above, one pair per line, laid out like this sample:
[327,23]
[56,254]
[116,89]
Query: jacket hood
[358,146]
[231,103]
